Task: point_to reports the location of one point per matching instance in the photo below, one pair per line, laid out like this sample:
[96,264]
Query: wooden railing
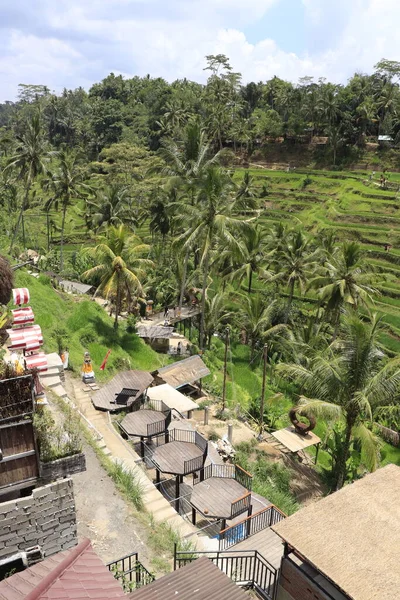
[130,572]
[246,568]
[183,435]
[249,526]
[193,464]
[240,505]
[156,428]
[243,477]
[157,405]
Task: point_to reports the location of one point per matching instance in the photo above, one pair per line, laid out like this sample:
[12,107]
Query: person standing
[166,310]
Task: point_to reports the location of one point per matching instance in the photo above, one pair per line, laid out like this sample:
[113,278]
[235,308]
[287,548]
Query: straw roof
[171,397]
[182,372]
[353,536]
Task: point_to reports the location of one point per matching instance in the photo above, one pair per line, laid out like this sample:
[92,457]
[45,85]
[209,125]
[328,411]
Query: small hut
[156,336]
[184,375]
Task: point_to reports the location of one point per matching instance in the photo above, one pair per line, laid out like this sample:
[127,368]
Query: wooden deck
[135,423]
[295,442]
[104,399]
[267,543]
[171,457]
[214,496]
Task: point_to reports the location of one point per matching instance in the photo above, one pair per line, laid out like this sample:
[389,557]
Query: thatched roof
[155,332]
[182,372]
[353,536]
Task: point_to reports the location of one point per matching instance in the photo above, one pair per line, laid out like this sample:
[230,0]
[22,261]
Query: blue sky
[68,43]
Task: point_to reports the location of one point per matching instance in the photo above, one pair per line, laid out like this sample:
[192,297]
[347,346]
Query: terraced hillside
[357,208]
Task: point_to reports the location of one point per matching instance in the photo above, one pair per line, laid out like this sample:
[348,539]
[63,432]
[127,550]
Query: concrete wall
[46,518]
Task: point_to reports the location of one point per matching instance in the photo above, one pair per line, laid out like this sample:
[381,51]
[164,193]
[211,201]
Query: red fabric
[36,361]
[23,315]
[103,364]
[29,338]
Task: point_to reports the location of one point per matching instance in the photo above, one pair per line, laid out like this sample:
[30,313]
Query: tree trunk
[203,301]
[118,303]
[341,467]
[183,285]
[250,281]
[62,238]
[21,213]
[289,304]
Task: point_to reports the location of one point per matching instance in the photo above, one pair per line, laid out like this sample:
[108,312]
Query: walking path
[158,318]
[118,449]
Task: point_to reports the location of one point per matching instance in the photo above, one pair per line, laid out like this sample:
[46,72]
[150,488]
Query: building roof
[353,536]
[200,579]
[183,371]
[71,575]
[171,397]
[139,381]
[295,442]
[155,332]
[75,286]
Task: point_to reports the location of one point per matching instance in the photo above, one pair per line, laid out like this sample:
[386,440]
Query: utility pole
[265,355]
[225,368]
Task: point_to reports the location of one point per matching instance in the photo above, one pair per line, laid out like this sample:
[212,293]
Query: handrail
[243,477]
[263,519]
[193,464]
[240,505]
[130,571]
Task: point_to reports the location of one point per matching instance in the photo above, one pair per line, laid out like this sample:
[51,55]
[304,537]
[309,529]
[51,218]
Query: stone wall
[46,518]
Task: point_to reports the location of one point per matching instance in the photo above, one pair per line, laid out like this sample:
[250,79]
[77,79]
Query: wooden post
[225,368]
[265,356]
[193,516]
[248,524]
[230,432]
[206,409]
[223,524]
[177,481]
[316,453]
[157,476]
[142,447]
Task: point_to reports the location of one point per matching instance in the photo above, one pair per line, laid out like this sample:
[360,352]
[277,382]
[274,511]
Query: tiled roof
[200,579]
[70,575]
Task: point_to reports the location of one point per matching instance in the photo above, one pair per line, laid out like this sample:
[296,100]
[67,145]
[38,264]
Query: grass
[83,325]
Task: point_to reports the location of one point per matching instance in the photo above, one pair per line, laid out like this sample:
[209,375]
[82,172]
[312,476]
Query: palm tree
[6,280]
[258,318]
[215,315]
[112,206]
[251,258]
[120,266]
[344,384]
[29,159]
[294,264]
[212,218]
[348,280]
[67,184]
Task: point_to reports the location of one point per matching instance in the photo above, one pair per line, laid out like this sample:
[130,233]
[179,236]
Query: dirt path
[104,517]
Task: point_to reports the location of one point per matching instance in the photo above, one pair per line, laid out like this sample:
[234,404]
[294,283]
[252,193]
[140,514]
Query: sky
[72,43]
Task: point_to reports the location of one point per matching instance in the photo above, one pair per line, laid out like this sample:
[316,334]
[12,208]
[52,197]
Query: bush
[44,279]
[131,324]
[56,441]
[128,483]
[87,337]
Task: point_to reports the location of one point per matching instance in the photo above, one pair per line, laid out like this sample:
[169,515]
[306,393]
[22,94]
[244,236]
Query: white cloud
[77,42]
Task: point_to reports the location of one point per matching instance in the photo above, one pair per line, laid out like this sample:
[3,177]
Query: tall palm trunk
[118,302]
[290,300]
[62,238]
[183,285]
[21,213]
[341,466]
[203,300]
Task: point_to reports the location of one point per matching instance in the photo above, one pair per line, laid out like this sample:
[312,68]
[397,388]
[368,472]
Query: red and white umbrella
[23,315]
[36,361]
[28,338]
[20,296]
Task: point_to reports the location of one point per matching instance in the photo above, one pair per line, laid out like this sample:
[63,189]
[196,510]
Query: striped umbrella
[36,361]
[23,315]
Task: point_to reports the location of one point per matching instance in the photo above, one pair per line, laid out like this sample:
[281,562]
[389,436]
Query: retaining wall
[46,518]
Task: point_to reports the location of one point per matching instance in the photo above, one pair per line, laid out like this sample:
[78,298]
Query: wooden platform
[171,457]
[267,543]
[214,496]
[295,442]
[135,423]
[104,399]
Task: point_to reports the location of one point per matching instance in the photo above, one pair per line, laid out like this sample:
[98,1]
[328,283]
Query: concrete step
[60,391]
[52,381]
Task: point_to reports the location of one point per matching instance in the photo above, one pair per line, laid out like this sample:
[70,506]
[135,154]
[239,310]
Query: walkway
[158,318]
[267,543]
[118,449]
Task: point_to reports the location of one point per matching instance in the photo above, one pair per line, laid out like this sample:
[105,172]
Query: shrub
[131,324]
[57,441]
[127,481]
[44,279]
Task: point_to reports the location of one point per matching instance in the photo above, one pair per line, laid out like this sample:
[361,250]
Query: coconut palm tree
[347,281]
[209,220]
[30,160]
[112,206]
[294,263]
[120,267]
[258,318]
[216,315]
[67,184]
[344,383]
[251,259]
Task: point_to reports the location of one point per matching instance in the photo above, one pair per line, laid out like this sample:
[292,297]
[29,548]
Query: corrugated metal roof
[137,380]
[183,371]
[200,579]
[71,575]
[155,332]
[75,286]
